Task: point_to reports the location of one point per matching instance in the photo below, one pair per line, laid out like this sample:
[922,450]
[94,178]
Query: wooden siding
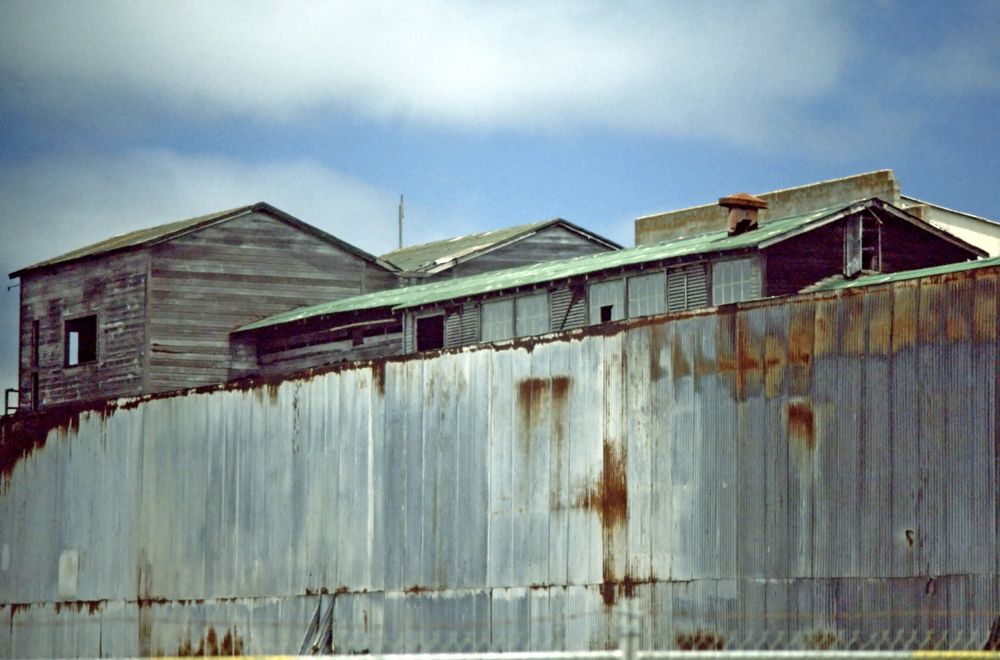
[906,247]
[546,245]
[798,262]
[114,290]
[206,284]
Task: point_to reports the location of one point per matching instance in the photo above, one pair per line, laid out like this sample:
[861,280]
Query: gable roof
[717,242]
[171,230]
[440,255]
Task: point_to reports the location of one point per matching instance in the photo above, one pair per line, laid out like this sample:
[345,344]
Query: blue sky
[116,116]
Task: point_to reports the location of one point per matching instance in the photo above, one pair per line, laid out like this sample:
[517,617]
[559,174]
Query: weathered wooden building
[498,249]
[152,310]
[821,466]
[782,257]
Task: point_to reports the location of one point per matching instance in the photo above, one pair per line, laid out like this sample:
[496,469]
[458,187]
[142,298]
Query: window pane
[498,320]
[646,294]
[734,280]
[532,315]
[73,349]
[606,301]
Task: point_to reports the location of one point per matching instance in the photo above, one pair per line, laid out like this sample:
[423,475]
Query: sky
[116,116]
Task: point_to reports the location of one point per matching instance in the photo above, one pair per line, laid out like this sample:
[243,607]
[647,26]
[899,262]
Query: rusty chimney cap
[742,201]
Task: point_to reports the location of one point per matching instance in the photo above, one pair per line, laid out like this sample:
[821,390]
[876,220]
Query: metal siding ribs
[820,464]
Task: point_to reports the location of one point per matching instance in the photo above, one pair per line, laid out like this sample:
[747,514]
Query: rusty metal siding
[813,463]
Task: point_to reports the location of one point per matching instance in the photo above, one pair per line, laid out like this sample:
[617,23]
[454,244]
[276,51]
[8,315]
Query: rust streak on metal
[904,316]
[930,314]
[535,395]
[378,377]
[824,329]
[774,365]
[879,323]
[749,360]
[655,346]
[608,497]
[700,640]
[92,606]
[802,424]
[417,589]
[852,330]
[679,363]
[984,304]
[24,433]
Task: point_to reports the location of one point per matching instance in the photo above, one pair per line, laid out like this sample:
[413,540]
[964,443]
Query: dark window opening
[357,337]
[80,343]
[606,313]
[430,333]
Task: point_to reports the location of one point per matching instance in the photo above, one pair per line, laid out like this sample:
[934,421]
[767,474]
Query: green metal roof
[171,230]
[839,282]
[430,256]
[422,294]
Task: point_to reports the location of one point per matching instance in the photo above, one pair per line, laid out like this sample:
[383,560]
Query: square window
[532,315]
[498,320]
[734,280]
[647,294]
[606,294]
[80,341]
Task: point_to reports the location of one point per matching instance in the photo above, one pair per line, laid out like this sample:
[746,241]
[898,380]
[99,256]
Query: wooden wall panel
[114,290]
[206,284]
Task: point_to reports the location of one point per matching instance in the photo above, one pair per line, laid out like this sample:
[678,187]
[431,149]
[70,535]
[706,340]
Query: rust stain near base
[608,498]
[232,644]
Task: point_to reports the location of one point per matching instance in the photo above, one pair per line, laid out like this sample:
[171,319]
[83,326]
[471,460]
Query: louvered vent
[687,287]
[453,329]
[470,323]
[567,309]
[409,346]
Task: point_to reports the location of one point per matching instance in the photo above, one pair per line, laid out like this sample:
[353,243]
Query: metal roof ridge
[474,234]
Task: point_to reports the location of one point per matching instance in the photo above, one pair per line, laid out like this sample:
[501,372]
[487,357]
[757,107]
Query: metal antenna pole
[400,221]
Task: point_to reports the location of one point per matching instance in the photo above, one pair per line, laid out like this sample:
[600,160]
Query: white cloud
[733,70]
[56,204]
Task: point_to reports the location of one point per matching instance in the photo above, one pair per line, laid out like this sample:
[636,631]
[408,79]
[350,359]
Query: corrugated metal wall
[824,462]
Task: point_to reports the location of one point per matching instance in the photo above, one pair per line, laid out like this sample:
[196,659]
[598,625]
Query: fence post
[628,628]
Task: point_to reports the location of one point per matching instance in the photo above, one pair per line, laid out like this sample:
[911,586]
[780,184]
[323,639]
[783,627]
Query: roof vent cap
[743,208]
